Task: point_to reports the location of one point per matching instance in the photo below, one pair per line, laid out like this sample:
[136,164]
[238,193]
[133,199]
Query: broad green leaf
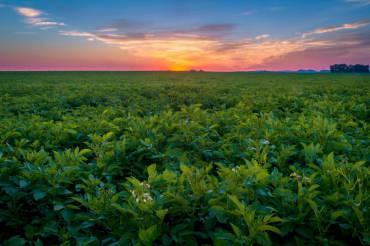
[147,236]
[236,230]
[38,195]
[269,228]
[15,241]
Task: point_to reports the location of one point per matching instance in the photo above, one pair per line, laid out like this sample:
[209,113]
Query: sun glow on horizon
[51,40]
[178,67]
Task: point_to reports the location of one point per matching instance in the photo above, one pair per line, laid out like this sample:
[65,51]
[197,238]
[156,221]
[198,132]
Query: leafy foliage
[184,158]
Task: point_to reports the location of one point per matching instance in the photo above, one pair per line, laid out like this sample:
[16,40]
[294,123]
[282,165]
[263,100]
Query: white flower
[144,185]
[142,194]
[265,142]
[145,197]
[235,169]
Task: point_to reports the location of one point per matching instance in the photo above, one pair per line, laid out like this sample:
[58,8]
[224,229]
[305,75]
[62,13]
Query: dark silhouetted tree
[344,68]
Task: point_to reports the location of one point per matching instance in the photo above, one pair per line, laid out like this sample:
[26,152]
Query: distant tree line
[344,68]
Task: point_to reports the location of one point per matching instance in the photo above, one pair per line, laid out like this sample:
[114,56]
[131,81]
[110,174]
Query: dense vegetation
[184,158]
[344,68]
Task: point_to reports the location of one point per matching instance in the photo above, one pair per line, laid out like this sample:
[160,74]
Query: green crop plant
[161,158]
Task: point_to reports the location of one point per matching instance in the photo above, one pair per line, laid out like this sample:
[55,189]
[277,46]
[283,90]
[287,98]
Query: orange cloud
[354,25]
[28,12]
[188,51]
[184,49]
[33,17]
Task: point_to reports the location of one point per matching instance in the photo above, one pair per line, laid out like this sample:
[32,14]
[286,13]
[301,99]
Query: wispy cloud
[346,48]
[354,25]
[213,46]
[109,29]
[43,22]
[34,17]
[76,34]
[28,12]
[189,51]
[209,46]
[360,2]
[262,36]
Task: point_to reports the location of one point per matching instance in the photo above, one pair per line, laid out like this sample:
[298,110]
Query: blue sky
[162,34]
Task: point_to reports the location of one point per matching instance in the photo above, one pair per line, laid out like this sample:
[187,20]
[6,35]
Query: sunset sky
[215,35]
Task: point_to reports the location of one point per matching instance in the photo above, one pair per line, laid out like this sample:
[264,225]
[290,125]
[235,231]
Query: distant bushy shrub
[344,68]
